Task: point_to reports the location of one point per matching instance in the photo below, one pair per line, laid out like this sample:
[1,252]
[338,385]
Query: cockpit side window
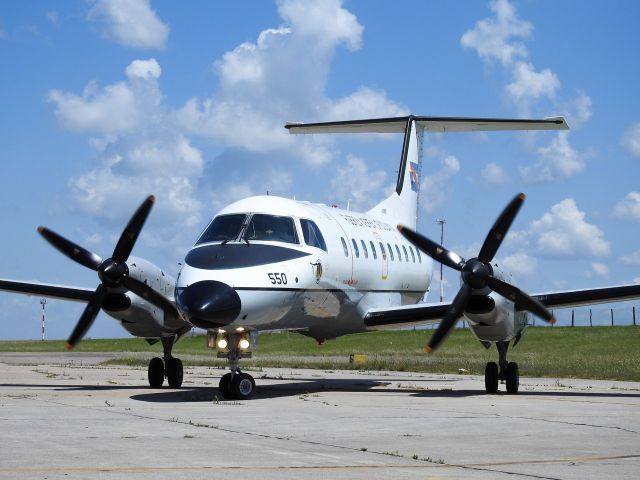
[271,228]
[312,235]
[223,228]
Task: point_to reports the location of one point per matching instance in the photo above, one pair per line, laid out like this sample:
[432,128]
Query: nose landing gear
[235,385]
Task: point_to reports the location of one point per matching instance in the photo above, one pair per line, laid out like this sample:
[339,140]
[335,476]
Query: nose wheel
[237,386]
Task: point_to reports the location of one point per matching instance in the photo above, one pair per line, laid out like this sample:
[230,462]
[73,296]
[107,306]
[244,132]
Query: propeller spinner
[477,273]
[113,272]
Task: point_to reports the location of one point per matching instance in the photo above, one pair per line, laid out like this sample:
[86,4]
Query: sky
[106,102]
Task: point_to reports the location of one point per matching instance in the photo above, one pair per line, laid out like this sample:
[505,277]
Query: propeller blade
[433,249]
[71,250]
[456,310]
[88,316]
[132,230]
[521,299]
[499,230]
[145,291]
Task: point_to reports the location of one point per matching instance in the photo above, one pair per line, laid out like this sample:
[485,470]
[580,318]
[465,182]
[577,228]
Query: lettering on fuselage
[367,222]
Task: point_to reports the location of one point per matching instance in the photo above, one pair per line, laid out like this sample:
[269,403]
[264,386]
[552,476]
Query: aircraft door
[383,256]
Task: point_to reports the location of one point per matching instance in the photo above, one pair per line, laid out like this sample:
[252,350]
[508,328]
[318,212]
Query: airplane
[271,263]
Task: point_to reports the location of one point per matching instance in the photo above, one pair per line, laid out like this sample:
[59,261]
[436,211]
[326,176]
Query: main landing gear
[171,367]
[234,385]
[506,371]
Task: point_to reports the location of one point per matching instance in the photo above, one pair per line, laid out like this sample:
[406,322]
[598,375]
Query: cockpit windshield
[271,228]
[223,228]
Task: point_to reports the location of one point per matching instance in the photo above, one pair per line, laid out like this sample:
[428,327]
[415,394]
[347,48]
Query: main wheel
[512,377]
[243,386]
[491,377]
[174,373]
[156,372]
[225,386]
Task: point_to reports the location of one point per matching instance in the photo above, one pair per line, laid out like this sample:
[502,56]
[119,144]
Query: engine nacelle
[136,315]
[492,317]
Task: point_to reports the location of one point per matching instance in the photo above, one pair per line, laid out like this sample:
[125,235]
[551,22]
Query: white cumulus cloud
[130,22]
[629,207]
[564,232]
[145,69]
[282,77]
[528,85]
[497,38]
[557,161]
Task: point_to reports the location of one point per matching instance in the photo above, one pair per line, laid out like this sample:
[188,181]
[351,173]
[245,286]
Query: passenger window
[413,256]
[390,252]
[312,235]
[373,250]
[344,245]
[419,257]
[271,228]
[406,255]
[364,249]
[399,254]
[355,247]
[223,228]
[384,253]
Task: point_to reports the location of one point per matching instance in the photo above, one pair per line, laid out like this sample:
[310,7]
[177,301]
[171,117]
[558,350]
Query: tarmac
[75,419]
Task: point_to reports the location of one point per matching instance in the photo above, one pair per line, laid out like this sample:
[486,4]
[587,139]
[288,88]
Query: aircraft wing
[429,124]
[590,296]
[426,313]
[47,290]
[429,313]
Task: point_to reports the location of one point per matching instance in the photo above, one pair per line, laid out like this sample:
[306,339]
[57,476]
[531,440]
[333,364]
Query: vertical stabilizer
[402,205]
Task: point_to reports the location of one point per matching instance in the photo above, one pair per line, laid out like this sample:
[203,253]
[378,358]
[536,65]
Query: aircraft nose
[209,303]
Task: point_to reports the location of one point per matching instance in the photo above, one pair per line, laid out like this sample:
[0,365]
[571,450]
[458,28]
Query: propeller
[477,273]
[113,272]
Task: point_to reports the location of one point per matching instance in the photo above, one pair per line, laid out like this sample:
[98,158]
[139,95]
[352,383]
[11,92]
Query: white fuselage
[299,283]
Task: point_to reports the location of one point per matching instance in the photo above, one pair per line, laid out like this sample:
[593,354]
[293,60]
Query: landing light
[244,344]
[222,343]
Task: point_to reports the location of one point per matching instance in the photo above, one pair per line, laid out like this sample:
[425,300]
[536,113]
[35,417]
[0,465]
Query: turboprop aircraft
[271,263]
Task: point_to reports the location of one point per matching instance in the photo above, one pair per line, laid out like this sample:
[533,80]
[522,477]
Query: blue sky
[106,102]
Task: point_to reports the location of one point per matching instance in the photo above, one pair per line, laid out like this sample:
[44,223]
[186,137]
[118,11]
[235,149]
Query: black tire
[491,377]
[174,373]
[225,386]
[512,377]
[156,372]
[243,386]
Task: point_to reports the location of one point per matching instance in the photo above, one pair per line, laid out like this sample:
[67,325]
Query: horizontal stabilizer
[429,124]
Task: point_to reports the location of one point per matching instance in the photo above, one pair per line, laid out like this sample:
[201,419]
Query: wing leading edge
[47,290]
